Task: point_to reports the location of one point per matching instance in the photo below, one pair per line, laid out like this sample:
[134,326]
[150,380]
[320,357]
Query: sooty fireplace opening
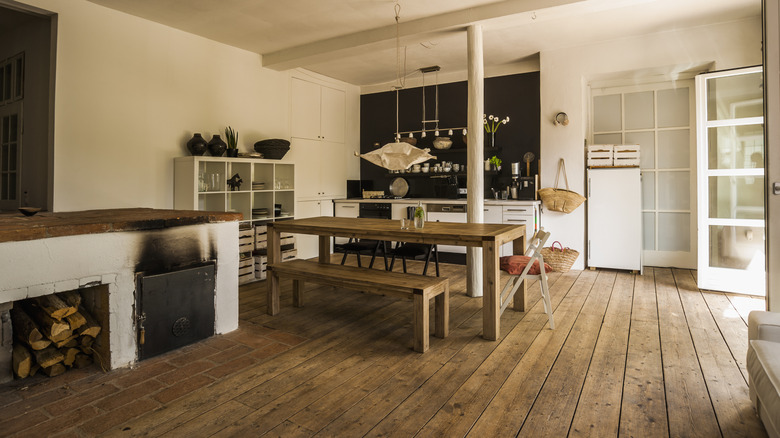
[175,308]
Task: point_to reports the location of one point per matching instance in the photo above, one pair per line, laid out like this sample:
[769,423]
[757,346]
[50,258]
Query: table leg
[274,256]
[324,254]
[519,301]
[491,300]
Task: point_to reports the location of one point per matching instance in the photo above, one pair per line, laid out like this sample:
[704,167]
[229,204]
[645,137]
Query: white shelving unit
[200,183]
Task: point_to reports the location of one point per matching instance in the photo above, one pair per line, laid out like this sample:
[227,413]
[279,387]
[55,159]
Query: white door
[730,111]
[659,117]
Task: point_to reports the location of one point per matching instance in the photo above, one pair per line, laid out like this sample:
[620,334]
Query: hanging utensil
[528,157]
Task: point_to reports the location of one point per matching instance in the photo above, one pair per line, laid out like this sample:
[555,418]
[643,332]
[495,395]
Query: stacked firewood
[52,333]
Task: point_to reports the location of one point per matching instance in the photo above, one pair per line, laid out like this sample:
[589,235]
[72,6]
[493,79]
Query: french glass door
[730,128]
[659,118]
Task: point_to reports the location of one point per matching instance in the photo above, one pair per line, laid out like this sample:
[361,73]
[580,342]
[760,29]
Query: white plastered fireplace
[45,266]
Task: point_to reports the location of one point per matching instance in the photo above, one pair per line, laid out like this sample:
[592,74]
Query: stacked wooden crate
[246,244]
[287,242]
[52,334]
[613,155]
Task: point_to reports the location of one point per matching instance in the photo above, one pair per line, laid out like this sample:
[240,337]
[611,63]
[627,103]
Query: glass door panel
[658,118]
[731,181]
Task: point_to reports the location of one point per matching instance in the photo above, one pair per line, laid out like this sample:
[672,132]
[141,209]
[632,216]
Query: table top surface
[467,234]
[17,227]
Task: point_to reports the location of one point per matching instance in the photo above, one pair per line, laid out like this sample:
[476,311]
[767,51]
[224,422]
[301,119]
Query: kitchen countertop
[438,201]
[16,227]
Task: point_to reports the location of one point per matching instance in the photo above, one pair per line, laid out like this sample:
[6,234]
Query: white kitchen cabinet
[318,111]
[322,169]
[615,218]
[346,209]
[318,115]
[307,244]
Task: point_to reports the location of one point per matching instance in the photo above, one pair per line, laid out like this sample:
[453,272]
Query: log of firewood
[50,327]
[48,356]
[86,341]
[54,306]
[71,297]
[26,330]
[22,360]
[76,320]
[82,361]
[73,339]
[54,370]
[73,342]
[62,336]
[70,355]
[91,328]
[34,369]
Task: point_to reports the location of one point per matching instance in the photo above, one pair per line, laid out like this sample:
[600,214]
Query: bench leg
[298,292]
[442,313]
[420,323]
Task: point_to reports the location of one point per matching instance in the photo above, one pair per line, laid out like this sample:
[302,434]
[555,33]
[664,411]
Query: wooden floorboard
[631,355]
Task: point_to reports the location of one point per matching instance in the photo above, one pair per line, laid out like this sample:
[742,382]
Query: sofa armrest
[764,326]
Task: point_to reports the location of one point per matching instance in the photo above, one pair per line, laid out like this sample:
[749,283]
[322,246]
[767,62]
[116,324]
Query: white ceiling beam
[416,30]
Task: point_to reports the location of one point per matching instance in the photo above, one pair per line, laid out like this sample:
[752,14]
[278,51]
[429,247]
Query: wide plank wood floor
[631,356]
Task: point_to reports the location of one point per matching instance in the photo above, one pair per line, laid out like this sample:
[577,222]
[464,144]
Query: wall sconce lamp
[561,119]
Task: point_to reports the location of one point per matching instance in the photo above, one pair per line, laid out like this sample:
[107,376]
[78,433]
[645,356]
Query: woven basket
[563,200]
[561,259]
[273,149]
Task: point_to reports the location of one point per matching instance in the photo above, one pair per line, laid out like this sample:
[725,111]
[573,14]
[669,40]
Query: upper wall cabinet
[318,112]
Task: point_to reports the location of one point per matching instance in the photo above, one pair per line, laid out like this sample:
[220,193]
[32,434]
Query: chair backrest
[537,242]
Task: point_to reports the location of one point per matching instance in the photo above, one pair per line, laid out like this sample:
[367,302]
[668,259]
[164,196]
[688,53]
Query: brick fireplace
[57,252]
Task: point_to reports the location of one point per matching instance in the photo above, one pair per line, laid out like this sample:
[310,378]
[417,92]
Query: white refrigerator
[614,218]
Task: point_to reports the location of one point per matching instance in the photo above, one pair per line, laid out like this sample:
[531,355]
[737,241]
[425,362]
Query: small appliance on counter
[355,187]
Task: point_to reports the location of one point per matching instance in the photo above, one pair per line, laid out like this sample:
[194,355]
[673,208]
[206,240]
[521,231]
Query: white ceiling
[355,40]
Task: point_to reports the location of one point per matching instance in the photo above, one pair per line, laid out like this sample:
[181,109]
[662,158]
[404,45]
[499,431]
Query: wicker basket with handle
[563,200]
[560,259]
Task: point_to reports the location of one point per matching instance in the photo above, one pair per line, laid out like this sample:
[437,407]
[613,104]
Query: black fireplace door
[175,309]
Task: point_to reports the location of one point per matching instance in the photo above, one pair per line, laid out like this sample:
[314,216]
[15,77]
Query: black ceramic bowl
[29,211]
[273,149]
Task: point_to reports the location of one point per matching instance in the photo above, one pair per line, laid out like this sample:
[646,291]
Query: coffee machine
[523,187]
[514,189]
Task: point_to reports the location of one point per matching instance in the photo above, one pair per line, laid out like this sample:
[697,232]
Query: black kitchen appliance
[445,186]
[379,210]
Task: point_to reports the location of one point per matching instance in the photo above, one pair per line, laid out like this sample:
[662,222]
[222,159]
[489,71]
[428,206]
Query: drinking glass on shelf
[216,183]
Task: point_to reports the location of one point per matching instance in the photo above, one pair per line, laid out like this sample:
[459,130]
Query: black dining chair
[415,251]
[364,246]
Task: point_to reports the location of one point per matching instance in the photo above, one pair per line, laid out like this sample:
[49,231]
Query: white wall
[130,93]
[564,77]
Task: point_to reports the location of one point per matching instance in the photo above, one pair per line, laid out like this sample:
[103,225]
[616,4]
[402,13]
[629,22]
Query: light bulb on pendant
[464,131]
[397,137]
[423,134]
[436,133]
[410,135]
[449,132]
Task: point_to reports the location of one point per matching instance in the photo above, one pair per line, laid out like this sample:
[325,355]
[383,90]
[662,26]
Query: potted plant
[232,142]
[496,162]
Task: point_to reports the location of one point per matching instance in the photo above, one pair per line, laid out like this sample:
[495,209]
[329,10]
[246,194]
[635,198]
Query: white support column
[475,154]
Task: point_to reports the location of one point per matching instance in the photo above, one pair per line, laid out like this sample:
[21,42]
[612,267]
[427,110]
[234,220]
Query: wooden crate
[599,155]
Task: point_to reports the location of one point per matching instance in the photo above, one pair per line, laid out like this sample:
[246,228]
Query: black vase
[197,145]
[217,147]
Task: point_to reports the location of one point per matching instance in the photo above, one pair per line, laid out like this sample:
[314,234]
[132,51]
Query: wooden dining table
[489,237]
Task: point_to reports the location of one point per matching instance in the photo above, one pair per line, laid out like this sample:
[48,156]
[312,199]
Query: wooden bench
[418,288]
